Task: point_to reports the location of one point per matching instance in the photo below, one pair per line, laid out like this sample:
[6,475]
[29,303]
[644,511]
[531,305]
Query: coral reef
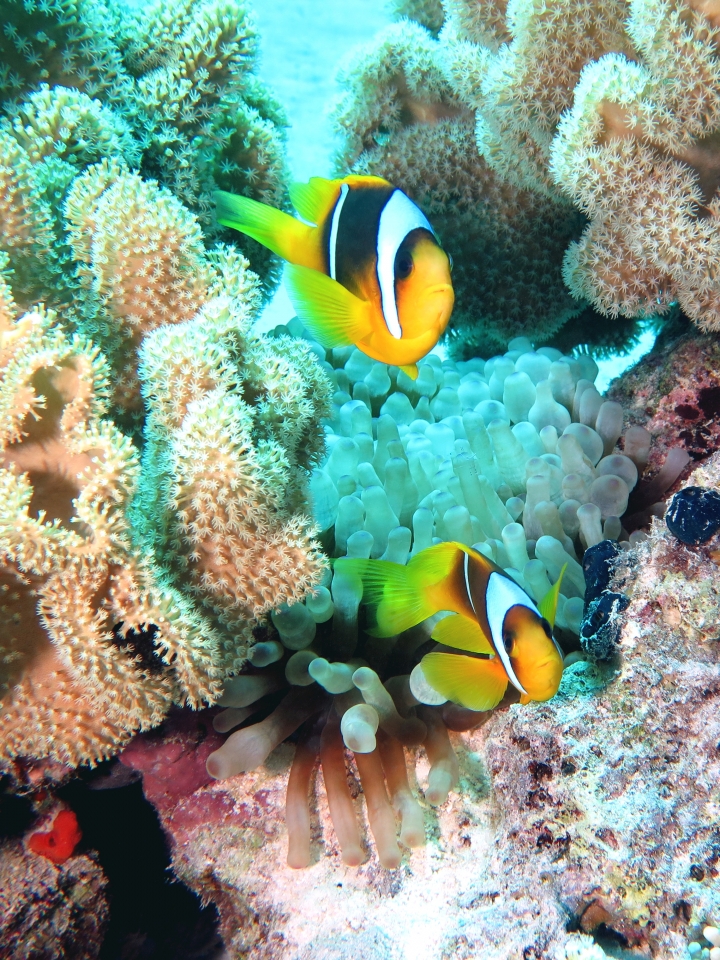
[674,392]
[232,429]
[78,678]
[148,578]
[133,583]
[565,815]
[412,463]
[636,153]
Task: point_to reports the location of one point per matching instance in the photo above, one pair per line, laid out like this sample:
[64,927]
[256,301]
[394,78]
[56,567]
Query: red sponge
[60,841]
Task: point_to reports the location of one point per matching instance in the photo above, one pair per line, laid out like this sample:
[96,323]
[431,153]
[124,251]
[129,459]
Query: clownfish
[509,637]
[364,264]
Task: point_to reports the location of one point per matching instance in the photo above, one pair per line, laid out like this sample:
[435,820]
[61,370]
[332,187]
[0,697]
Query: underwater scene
[359,480]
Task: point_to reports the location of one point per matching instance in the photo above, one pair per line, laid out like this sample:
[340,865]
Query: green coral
[108,160]
[169,90]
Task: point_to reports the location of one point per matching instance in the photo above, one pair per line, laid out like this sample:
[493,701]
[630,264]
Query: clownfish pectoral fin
[333,315]
[393,589]
[473,683]
[463,634]
[277,231]
[315,199]
[548,604]
[410,370]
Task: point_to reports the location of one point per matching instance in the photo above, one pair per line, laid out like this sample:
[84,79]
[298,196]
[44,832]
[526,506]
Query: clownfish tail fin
[393,590]
[548,604]
[277,231]
[330,312]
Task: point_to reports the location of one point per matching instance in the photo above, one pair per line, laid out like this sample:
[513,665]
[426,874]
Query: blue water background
[302,44]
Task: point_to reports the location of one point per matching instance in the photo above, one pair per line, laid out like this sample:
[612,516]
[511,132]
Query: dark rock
[694,515]
[602,624]
[597,567]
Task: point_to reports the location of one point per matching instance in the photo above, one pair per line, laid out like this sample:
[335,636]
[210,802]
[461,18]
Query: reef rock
[50,911]
[586,822]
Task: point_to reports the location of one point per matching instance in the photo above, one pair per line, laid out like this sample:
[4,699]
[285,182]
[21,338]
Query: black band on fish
[352,246]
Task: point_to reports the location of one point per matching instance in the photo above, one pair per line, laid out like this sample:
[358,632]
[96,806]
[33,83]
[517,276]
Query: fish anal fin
[473,683]
[462,634]
[548,604]
[333,315]
[391,588]
[315,199]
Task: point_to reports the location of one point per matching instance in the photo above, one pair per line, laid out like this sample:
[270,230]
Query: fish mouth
[438,288]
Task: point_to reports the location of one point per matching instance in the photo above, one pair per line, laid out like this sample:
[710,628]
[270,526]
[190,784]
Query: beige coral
[75,678]
[521,88]
[402,120]
[141,255]
[234,424]
[638,154]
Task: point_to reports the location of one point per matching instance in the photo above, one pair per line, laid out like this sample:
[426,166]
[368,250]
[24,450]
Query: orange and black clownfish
[508,636]
[364,264]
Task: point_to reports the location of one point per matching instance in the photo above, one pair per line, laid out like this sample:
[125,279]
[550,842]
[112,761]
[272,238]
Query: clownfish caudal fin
[463,634]
[548,604]
[471,682]
[315,199]
[410,370]
[393,590]
[333,315]
[278,231]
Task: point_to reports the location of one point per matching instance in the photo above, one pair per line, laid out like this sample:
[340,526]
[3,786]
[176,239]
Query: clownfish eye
[546,627]
[508,639]
[403,266]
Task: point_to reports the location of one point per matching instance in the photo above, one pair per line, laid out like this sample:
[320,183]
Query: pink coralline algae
[675,393]
[591,819]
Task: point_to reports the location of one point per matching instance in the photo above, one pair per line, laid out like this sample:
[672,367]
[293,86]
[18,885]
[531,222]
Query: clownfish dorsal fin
[473,683]
[410,370]
[434,563]
[548,604]
[331,313]
[315,199]
[463,634]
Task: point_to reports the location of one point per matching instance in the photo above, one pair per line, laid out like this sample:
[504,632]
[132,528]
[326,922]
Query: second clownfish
[497,634]
[364,264]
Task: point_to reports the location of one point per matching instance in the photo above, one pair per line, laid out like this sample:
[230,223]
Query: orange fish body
[364,265]
[497,633]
